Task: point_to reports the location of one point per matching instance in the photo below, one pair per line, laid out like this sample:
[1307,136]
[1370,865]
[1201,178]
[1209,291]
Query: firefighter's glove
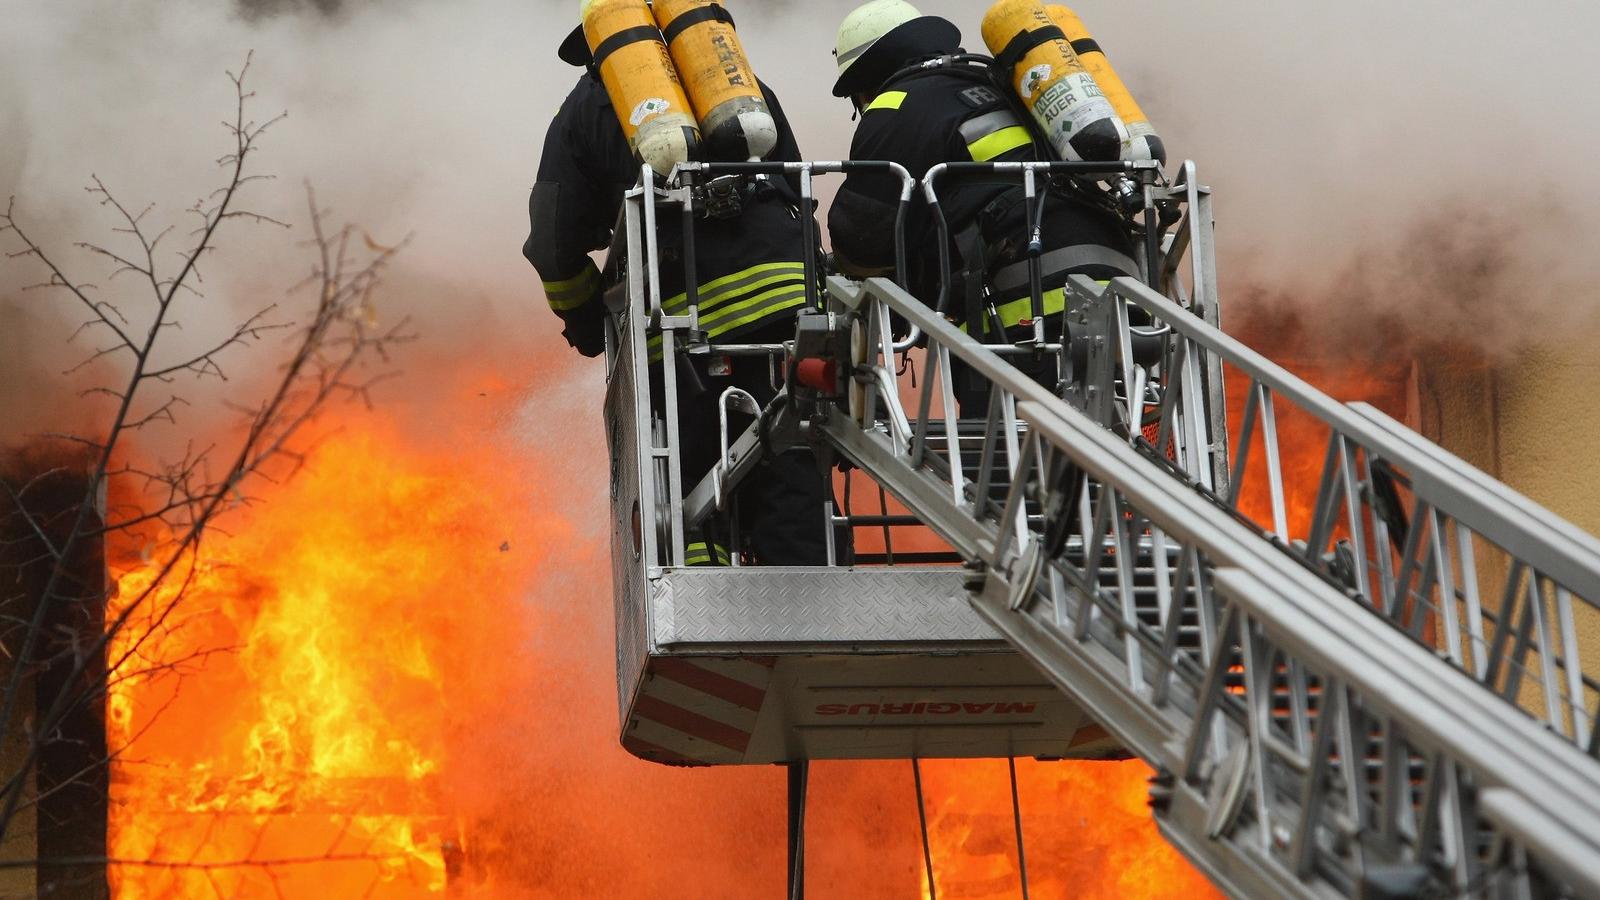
[586,334]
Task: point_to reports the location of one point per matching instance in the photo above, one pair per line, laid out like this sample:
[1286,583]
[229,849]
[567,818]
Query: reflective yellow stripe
[1003,141]
[696,554]
[737,315]
[712,285]
[769,308]
[713,293]
[887,100]
[717,322]
[740,298]
[573,292]
[1012,312]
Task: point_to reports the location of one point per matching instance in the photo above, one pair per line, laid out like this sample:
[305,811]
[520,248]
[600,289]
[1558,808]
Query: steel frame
[1494,583]
[1457,790]
[1223,650]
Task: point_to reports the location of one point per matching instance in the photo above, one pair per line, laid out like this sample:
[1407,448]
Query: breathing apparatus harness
[1123,198]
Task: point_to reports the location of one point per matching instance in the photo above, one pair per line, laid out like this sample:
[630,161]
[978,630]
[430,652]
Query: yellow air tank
[735,123]
[1053,83]
[643,86]
[1143,142]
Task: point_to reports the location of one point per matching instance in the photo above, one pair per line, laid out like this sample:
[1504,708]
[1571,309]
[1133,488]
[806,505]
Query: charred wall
[65,600]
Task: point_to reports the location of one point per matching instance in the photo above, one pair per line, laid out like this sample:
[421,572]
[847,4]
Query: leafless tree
[164,506]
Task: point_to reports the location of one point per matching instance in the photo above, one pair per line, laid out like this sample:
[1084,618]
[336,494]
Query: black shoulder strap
[622,39]
[711,12]
[974,266]
[1019,46]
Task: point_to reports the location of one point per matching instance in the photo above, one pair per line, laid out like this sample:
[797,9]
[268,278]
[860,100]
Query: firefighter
[920,116]
[751,286]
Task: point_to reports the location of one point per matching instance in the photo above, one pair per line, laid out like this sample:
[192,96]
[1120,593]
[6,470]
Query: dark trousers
[780,503]
[972,390]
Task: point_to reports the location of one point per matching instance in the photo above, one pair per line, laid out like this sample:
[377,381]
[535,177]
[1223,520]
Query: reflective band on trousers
[1013,312]
[718,292]
[887,100]
[740,299]
[573,292]
[1014,277]
[696,554]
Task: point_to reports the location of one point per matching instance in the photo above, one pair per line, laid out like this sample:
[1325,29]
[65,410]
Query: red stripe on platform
[656,753]
[707,682]
[768,661]
[1088,734]
[690,723]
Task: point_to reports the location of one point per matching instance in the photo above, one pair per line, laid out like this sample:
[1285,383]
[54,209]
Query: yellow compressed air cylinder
[1143,142]
[639,77]
[1053,83]
[735,123]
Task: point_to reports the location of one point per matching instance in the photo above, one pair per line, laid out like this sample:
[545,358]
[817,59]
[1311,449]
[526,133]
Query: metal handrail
[1243,788]
[1418,562]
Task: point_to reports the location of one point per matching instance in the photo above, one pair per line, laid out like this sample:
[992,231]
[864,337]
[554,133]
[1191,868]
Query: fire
[393,678]
[1087,832]
[1302,439]
[294,719]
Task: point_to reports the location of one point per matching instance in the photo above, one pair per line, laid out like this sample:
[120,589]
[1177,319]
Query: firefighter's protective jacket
[749,269]
[926,117]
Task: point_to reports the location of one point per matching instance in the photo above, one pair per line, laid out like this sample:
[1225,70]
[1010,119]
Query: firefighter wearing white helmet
[919,107]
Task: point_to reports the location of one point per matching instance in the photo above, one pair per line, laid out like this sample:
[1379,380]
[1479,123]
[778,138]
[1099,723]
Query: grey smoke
[1333,135]
[1347,144]
[254,9]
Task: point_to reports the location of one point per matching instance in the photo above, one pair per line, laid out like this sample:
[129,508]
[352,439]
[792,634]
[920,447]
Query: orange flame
[290,720]
[356,699]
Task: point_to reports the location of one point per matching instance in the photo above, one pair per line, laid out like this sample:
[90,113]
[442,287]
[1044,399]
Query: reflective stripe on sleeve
[887,100]
[979,127]
[571,293]
[1000,142]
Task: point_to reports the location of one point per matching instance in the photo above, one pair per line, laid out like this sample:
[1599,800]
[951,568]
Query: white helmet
[865,25]
[868,23]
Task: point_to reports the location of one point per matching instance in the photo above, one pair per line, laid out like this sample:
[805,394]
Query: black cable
[922,820]
[888,543]
[1016,818]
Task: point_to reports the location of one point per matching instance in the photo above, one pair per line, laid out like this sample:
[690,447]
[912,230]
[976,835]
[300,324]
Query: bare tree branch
[179,501]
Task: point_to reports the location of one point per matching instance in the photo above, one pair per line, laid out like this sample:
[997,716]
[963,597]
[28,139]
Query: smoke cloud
[1339,140]
[1423,165]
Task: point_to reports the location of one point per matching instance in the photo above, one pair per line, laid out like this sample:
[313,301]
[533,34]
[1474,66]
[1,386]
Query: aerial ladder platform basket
[740,664]
[1393,698]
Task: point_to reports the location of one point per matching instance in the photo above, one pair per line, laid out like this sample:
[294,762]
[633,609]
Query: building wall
[1533,422]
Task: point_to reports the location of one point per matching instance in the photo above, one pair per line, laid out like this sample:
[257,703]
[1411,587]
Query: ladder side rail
[628,348]
[1031,396]
[1503,515]
[1433,588]
[1196,240]
[1422,728]
[632,442]
[1365,649]
[1082,644]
